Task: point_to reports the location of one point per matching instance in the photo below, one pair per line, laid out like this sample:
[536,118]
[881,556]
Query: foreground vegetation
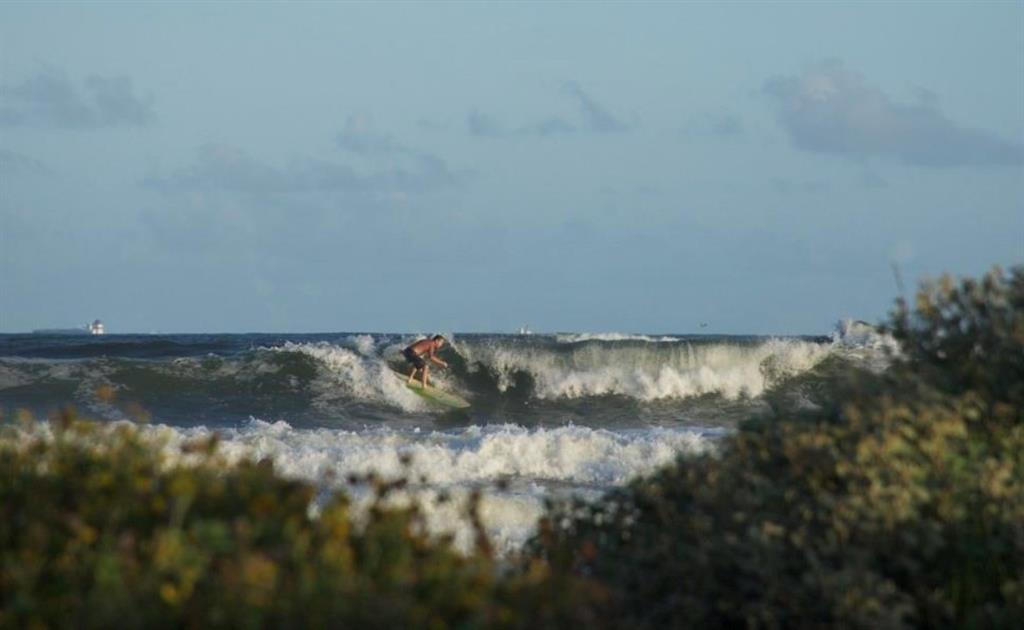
[100,528]
[897,502]
[901,505]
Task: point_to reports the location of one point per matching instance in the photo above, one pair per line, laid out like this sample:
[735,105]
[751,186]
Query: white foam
[648,373]
[861,340]
[573,454]
[364,344]
[853,332]
[534,463]
[345,373]
[610,336]
[362,372]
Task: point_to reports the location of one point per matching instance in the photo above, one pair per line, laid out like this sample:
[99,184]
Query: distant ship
[95,328]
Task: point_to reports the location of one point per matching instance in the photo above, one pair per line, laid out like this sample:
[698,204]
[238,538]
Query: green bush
[967,338]
[902,506]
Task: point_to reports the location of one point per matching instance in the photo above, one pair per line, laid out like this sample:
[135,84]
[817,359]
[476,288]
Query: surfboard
[432,394]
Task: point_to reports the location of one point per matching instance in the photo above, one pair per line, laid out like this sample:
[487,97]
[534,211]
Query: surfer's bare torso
[423,349]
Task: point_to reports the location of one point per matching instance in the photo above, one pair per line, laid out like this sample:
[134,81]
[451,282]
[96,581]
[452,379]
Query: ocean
[551,415]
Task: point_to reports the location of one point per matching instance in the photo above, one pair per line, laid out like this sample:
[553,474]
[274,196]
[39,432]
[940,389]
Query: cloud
[423,170]
[50,99]
[359,137]
[220,167]
[482,125]
[719,124]
[229,205]
[553,126]
[12,163]
[832,110]
[596,118]
[224,167]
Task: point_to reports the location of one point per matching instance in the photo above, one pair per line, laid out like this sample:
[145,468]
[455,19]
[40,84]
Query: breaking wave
[648,371]
[313,379]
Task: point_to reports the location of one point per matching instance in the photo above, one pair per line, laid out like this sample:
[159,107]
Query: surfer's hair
[438,337]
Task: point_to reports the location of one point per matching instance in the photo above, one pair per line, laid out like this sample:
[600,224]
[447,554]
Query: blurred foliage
[967,338]
[901,504]
[103,527]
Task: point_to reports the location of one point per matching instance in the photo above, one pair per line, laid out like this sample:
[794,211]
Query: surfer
[415,353]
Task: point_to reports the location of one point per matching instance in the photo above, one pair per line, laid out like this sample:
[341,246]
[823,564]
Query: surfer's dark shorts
[414,358]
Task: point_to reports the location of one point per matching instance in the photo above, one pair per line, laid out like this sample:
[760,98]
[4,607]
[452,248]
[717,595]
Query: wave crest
[650,372]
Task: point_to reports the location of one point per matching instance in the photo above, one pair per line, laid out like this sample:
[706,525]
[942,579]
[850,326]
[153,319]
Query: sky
[735,168]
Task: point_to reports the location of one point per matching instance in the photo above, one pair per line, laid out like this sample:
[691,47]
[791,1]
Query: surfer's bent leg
[415,360]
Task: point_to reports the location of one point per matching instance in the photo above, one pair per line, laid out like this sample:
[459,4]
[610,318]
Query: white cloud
[830,109]
[360,138]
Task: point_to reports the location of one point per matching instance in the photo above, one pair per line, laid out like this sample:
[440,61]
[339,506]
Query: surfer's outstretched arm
[436,343]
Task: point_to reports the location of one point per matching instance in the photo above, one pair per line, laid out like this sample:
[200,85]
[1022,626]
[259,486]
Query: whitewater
[552,415]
